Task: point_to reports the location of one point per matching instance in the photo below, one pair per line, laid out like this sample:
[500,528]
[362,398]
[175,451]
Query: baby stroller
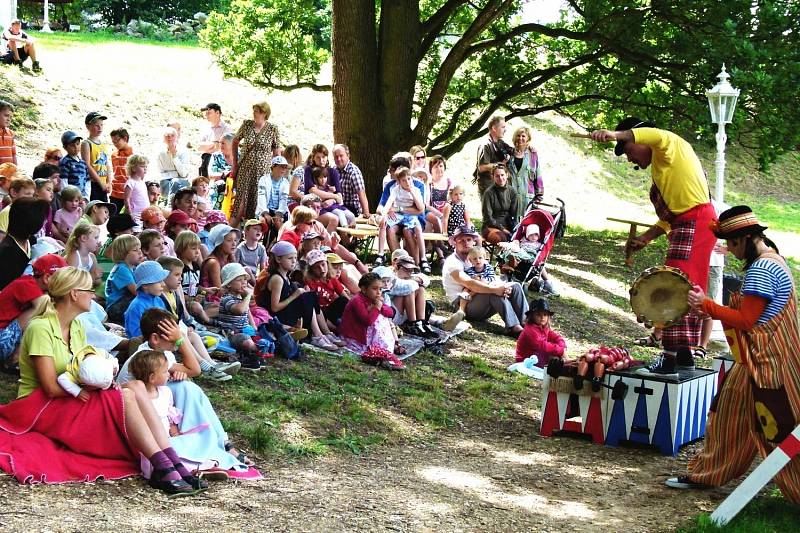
[524,261]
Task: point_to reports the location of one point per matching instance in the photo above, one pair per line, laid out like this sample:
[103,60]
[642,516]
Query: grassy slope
[324,406]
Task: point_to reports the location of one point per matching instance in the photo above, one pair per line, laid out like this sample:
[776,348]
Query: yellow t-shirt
[675,170]
[42,338]
[4,218]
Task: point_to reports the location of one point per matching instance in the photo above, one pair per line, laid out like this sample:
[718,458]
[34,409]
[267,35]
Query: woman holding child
[48,436]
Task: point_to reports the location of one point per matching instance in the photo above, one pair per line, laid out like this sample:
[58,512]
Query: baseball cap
[149,272]
[68,137]
[94,116]
[47,264]
[315,256]
[334,259]
[112,209]
[279,160]
[407,263]
[152,215]
[230,272]
[630,123]
[213,106]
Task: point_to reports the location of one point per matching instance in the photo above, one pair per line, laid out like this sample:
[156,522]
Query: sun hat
[737,221]
[334,259]
[119,223]
[630,123]
[47,264]
[407,263]
[112,209]
[68,137]
[253,222]
[149,272]
[279,160]
[307,236]
[218,234]
[216,216]
[93,117]
[95,371]
[281,248]
[178,217]
[383,272]
[152,215]
[463,231]
[540,304]
[315,256]
[230,272]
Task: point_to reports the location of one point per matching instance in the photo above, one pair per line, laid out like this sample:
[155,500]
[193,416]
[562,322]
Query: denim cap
[149,272]
[217,234]
[230,272]
[281,248]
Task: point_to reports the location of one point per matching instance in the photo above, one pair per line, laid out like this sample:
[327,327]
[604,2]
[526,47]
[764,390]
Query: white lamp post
[721,101]
[46,23]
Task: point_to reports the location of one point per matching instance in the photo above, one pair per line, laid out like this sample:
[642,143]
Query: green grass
[87,38]
[768,514]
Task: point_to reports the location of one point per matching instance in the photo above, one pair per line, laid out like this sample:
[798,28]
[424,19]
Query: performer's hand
[603,136]
[696,297]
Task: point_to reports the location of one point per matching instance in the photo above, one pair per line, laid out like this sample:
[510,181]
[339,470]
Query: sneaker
[425,267]
[251,364]
[684,482]
[323,343]
[36,67]
[684,359]
[454,320]
[380,260]
[229,368]
[216,375]
[334,339]
[663,366]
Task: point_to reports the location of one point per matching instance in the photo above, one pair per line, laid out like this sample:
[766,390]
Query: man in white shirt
[507,300]
[210,141]
[17,46]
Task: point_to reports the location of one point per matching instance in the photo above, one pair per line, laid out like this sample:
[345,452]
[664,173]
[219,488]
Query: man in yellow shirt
[679,194]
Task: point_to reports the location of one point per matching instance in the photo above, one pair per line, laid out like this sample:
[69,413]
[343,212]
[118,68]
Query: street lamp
[721,101]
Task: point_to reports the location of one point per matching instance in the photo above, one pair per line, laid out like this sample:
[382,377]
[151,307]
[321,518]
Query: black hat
[213,106]
[93,116]
[119,223]
[735,222]
[540,304]
[629,124]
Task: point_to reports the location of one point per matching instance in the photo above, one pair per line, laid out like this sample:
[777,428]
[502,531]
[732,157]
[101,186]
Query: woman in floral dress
[258,140]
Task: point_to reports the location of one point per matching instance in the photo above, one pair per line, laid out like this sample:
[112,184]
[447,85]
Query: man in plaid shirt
[352,181]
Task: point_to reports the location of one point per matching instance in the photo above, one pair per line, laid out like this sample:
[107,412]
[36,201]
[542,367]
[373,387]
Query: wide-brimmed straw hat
[737,221]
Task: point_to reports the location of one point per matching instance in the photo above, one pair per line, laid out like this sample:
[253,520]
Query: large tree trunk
[373,82]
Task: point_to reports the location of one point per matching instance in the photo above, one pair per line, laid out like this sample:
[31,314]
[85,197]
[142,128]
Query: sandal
[651,341]
[240,456]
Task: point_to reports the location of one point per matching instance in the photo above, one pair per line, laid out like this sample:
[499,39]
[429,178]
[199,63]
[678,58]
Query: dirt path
[476,482]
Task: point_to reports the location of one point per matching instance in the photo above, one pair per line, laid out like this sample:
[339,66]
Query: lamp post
[46,23]
[721,101]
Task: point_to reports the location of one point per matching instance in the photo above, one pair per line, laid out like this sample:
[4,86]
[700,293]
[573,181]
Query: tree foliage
[603,59]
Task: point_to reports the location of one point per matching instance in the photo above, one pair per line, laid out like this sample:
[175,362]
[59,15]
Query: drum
[658,296]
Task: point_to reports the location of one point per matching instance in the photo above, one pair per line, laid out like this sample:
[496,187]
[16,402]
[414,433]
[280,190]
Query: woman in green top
[95,434]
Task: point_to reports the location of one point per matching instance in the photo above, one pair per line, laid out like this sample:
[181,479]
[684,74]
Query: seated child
[90,369]
[80,248]
[120,290]
[173,298]
[537,337]
[367,323]
[250,253]
[333,297]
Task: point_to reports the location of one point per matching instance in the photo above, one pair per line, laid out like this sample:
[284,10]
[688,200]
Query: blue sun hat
[149,272]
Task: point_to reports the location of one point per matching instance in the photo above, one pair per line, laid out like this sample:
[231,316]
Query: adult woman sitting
[46,435]
[319,158]
[759,402]
[25,218]
[254,145]
[525,171]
